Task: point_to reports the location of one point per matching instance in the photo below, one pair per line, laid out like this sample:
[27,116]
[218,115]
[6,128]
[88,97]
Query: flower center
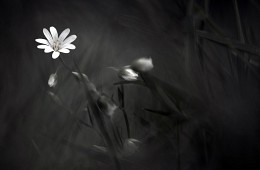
[56,45]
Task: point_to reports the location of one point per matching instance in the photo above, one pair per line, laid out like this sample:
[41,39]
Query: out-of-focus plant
[129,147]
[100,105]
[174,97]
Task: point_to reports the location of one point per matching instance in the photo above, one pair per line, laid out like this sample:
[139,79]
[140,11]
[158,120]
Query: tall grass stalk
[122,107]
[92,98]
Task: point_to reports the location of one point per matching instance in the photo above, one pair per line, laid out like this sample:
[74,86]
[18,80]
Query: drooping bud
[128,74]
[142,64]
[53,80]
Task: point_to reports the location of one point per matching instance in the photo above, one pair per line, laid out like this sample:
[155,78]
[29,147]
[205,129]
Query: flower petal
[64,50]
[64,34]
[48,35]
[55,54]
[48,49]
[42,41]
[54,33]
[69,39]
[42,46]
[69,46]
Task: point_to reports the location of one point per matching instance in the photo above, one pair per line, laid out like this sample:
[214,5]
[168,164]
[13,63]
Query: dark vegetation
[197,109]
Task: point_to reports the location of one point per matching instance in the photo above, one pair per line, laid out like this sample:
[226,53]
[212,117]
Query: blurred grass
[29,111]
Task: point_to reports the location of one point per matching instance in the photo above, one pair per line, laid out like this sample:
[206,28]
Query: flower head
[128,74]
[56,44]
[52,80]
[142,64]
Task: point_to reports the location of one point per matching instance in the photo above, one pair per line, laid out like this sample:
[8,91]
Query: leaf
[90,117]
[168,94]
[55,98]
[36,147]
[84,123]
[120,97]
[118,141]
[233,44]
[119,135]
[137,82]
[162,113]
[126,122]
[100,148]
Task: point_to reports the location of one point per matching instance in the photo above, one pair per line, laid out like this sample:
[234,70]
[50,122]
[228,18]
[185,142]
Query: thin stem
[205,145]
[242,39]
[178,146]
[65,65]
[127,123]
[117,138]
[58,69]
[98,118]
[124,112]
[238,21]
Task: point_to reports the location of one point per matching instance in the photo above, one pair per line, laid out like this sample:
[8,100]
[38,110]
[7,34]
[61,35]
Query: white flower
[128,74]
[56,44]
[142,64]
[52,80]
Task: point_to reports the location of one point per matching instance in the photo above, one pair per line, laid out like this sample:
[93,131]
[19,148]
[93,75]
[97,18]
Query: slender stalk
[205,145]
[178,146]
[234,46]
[90,117]
[242,39]
[238,21]
[117,138]
[206,5]
[127,123]
[99,119]
[65,65]
[124,112]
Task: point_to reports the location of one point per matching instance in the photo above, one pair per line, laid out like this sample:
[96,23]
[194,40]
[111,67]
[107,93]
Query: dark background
[34,131]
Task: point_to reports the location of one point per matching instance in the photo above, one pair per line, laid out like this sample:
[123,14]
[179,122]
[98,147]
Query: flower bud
[53,80]
[142,64]
[106,105]
[128,74]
